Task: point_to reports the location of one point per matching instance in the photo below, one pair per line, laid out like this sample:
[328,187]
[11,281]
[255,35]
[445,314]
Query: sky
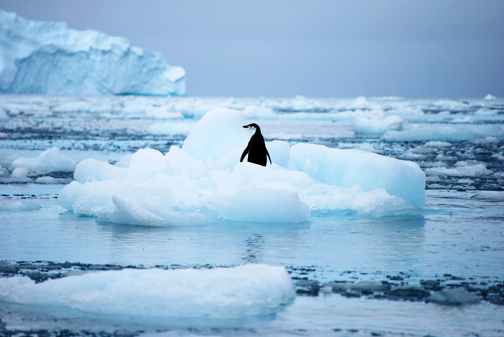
[314,48]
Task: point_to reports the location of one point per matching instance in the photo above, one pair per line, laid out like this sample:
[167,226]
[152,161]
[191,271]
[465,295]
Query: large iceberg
[204,181]
[49,58]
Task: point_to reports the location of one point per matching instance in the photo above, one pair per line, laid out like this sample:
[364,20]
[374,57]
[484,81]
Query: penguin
[256,148]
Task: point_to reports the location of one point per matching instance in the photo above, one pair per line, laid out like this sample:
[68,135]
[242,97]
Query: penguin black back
[256,147]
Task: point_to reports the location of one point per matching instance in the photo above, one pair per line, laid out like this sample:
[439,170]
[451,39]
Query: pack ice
[204,181]
[48,58]
[215,293]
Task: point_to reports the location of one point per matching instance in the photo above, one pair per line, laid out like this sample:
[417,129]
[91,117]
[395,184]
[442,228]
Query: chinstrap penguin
[256,148]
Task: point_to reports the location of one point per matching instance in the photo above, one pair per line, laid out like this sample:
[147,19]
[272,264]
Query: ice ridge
[39,57]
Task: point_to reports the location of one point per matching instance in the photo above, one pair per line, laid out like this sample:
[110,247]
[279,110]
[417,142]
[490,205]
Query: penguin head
[253,126]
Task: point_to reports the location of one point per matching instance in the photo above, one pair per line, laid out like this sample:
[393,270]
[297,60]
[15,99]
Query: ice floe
[51,160]
[377,126]
[18,206]
[461,169]
[247,290]
[204,181]
[444,132]
[455,296]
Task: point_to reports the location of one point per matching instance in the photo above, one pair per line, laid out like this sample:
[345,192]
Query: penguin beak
[246,126]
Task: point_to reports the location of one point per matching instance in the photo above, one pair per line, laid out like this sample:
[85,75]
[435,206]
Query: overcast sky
[409,48]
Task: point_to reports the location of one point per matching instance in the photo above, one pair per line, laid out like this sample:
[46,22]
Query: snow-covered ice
[49,58]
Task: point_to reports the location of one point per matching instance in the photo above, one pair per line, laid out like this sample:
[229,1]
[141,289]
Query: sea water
[456,240]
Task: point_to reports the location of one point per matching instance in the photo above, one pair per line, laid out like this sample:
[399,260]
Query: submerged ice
[49,58]
[246,290]
[204,181]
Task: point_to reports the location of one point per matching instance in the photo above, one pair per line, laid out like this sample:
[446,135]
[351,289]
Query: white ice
[49,58]
[247,290]
[461,169]
[377,125]
[51,160]
[444,132]
[204,181]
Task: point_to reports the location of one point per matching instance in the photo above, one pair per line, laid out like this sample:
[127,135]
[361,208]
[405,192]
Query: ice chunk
[204,181]
[218,132]
[51,180]
[347,168]
[456,296]
[461,169]
[486,112]
[247,290]
[49,58]
[48,161]
[279,152]
[437,144]
[489,97]
[377,126]
[20,172]
[92,169]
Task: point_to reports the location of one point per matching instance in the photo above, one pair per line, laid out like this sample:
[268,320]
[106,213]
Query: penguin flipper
[267,153]
[245,152]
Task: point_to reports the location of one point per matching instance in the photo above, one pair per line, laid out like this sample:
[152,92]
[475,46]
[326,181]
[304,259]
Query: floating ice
[489,97]
[96,170]
[377,126]
[456,296]
[461,169]
[20,172]
[437,144]
[51,180]
[49,58]
[347,168]
[444,132]
[205,181]
[247,290]
[18,206]
[48,161]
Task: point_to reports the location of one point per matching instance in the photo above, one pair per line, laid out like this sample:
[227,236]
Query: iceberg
[49,58]
[247,290]
[204,181]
